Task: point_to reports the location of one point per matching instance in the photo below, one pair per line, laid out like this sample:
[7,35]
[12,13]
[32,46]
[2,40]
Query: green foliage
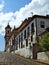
[44,42]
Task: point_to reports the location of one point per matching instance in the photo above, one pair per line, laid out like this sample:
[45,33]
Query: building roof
[8,26]
[25,23]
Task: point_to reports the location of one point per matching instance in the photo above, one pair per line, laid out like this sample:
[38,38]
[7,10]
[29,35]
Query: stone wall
[43,55]
[25,52]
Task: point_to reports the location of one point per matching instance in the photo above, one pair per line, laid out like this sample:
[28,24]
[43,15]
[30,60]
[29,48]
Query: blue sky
[13,5]
[15,11]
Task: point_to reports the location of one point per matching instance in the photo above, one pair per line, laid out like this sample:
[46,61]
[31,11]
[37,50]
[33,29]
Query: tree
[44,42]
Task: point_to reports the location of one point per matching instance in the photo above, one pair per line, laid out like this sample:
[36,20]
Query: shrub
[44,42]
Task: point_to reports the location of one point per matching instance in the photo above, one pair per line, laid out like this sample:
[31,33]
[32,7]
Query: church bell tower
[7,35]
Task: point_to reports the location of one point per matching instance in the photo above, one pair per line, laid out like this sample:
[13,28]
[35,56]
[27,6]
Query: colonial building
[21,40]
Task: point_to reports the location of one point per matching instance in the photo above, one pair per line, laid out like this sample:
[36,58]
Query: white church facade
[21,40]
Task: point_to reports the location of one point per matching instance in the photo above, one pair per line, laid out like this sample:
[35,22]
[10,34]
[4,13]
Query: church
[22,40]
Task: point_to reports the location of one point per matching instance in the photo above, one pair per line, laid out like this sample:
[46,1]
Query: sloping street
[13,59]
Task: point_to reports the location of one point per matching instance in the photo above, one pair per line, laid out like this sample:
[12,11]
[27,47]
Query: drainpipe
[36,29]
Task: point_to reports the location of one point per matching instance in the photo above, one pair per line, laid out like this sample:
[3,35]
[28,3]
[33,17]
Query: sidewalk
[43,61]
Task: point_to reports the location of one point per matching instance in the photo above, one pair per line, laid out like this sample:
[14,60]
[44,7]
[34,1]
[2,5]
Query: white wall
[26,52]
[39,29]
[34,35]
[43,55]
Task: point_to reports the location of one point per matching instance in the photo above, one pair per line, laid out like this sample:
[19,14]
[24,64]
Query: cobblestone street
[12,59]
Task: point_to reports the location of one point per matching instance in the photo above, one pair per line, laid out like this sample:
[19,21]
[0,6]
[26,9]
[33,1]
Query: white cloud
[35,6]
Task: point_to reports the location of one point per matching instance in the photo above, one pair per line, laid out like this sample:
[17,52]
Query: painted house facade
[21,40]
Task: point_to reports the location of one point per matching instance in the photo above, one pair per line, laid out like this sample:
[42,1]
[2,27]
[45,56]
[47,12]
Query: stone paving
[13,59]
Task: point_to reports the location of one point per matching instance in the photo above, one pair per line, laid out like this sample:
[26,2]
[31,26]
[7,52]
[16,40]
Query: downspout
[36,28]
